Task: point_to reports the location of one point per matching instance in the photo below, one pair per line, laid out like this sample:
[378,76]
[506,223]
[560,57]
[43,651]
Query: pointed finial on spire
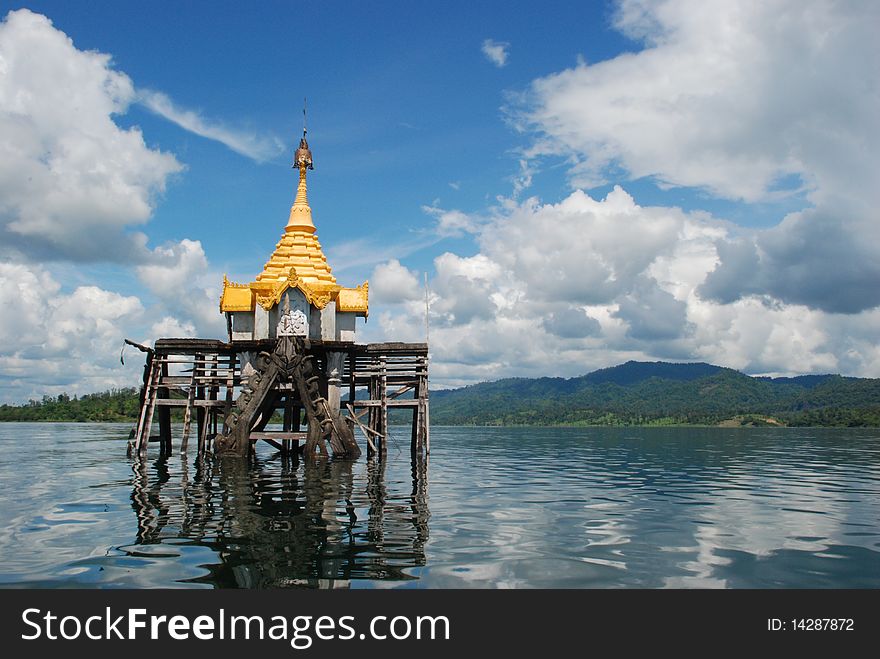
[300,213]
[302,159]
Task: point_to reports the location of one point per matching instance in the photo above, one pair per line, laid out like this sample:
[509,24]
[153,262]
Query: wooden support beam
[364,429]
[214,390]
[352,393]
[187,415]
[373,393]
[407,387]
[204,413]
[272,442]
[263,414]
[181,381]
[313,434]
[183,402]
[383,411]
[201,419]
[230,376]
[354,414]
[298,436]
[287,423]
[213,393]
[142,431]
[407,402]
[414,445]
[151,407]
[164,415]
[424,410]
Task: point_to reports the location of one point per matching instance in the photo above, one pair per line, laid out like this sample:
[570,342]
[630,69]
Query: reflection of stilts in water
[151,511]
[285,523]
[419,500]
[397,526]
[328,488]
[376,496]
[188,511]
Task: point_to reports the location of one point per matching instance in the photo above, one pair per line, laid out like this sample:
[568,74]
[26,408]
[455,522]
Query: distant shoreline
[630,395]
[727,424]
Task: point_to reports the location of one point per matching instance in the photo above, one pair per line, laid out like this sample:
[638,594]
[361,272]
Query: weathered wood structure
[291,352]
[203,377]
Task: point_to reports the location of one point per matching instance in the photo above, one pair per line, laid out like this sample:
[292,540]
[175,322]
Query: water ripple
[494,507]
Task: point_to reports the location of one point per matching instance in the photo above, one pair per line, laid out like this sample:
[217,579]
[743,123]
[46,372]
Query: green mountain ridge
[658,393]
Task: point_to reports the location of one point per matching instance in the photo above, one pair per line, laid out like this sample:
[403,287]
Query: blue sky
[583,183]
[402,102]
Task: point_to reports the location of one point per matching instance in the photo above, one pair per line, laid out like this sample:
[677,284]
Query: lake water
[497,507]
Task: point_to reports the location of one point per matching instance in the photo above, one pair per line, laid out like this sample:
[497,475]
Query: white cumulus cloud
[56,338]
[393,283]
[52,341]
[179,276]
[726,96]
[746,101]
[70,178]
[496,51]
[451,223]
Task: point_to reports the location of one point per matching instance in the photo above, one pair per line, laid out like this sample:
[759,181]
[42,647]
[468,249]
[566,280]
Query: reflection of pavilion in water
[274,523]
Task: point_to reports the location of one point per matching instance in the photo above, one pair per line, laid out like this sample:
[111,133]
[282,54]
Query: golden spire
[299,247]
[300,213]
[297,261]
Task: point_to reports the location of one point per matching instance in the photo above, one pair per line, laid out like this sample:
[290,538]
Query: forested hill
[658,393]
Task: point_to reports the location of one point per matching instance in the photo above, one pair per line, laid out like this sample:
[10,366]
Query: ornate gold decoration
[354,299]
[318,294]
[236,297]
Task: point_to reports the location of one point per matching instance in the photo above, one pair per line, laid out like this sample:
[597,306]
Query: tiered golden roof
[297,261]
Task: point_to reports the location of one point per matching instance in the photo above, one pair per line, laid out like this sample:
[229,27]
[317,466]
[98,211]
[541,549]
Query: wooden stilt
[201,418]
[187,415]
[364,429]
[148,425]
[373,416]
[145,418]
[213,394]
[265,412]
[164,414]
[426,421]
[314,434]
[295,425]
[230,387]
[204,422]
[415,438]
[422,410]
[287,424]
[352,393]
[383,397]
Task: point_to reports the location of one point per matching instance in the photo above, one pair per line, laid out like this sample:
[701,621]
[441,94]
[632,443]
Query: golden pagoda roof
[297,261]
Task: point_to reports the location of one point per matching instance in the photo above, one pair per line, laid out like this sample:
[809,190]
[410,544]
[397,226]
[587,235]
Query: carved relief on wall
[292,323]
